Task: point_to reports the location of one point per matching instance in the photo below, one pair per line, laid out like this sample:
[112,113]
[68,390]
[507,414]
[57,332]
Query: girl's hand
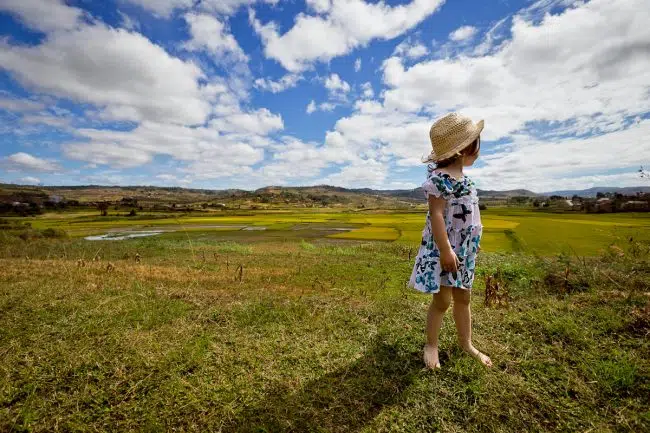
[449,261]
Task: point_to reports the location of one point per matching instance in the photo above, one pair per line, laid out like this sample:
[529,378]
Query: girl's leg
[463,319]
[437,308]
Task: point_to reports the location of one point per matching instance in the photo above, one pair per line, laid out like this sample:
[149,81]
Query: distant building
[635,205]
[604,204]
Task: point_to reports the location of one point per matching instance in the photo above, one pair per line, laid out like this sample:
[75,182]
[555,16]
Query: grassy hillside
[311,336]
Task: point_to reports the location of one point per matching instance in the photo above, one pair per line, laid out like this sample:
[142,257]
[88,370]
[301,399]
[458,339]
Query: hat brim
[462,145]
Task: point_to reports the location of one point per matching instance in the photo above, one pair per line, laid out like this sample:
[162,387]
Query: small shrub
[54,233]
[307,246]
[233,247]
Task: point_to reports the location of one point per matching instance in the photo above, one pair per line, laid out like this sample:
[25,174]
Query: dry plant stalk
[496,291]
[239,273]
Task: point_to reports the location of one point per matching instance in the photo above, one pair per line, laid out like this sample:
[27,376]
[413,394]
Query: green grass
[319,335]
[505,229]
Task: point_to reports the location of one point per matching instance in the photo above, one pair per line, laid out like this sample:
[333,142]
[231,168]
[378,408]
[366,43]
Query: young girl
[445,261]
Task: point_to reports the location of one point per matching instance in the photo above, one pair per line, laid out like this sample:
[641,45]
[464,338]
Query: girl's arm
[448,258]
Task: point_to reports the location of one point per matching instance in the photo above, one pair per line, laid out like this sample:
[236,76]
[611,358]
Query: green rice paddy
[505,229]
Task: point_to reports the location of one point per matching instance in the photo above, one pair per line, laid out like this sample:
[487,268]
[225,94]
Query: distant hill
[591,192]
[508,193]
[315,195]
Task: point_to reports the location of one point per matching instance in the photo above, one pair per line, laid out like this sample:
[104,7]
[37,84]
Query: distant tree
[103,206]
[133,213]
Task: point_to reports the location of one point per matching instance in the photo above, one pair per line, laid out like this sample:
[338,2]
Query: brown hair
[470,150]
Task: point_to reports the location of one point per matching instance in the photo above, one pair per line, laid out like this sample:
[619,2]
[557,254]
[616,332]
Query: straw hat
[451,134]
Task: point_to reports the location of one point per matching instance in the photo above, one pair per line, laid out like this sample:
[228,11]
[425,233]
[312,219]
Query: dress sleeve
[437,186]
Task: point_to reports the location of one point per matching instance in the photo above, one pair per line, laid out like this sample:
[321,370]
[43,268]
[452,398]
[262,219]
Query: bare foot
[482,357]
[431,357]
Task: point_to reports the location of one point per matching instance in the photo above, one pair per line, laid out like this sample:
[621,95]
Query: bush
[54,233]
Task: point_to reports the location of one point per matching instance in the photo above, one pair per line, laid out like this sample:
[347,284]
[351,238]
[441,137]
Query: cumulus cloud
[564,102]
[336,86]
[111,68]
[162,8]
[211,34]
[551,71]
[286,82]
[367,173]
[411,50]
[29,180]
[165,8]
[229,142]
[22,161]
[357,65]
[337,28]
[463,33]
[367,91]
[43,15]
[568,163]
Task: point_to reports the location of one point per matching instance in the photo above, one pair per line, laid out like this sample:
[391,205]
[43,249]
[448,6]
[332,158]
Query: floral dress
[464,229]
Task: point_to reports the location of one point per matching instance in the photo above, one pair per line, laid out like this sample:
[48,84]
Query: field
[506,229]
[215,326]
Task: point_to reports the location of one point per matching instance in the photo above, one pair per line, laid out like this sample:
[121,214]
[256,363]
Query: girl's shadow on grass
[343,400]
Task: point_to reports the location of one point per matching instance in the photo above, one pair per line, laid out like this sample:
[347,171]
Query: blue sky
[249,93]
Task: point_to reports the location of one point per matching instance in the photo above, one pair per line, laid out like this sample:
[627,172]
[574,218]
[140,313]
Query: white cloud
[211,34]
[229,142]
[336,85]
[551,72]
[29,180]
[22,161]
[463,33]
[357,65]
[566,110]
[165,8]
[20,105]
[568,163]
[327,106]
[319,6]
[43,15]
[111,68]
[128,22]
[367,90]
[323,106]
[411,51]
[228,7]
[495,34]
[363,173]
[46,119]
[286,82]
[292,159]
[338,29]
[260,122]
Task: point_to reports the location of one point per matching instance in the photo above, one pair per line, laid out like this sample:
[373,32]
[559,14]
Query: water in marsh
[120,236]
